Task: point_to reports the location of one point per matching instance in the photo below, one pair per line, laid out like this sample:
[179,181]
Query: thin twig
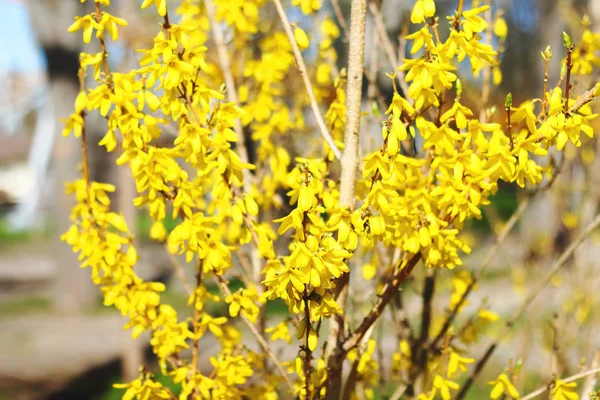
[527,302]
[305,78]
[419,349]
[232,96]
[590,381]
[353,375]
[587,96]
[555,347]
[400,390]
[545,88]
[196,320]
[103,48]
[340,17]
[568,78]
[401,320]
[373,90]
[487,70]
[179,270]
[387,46]
[259,337]
[307,350]
[572,378]
[404,31]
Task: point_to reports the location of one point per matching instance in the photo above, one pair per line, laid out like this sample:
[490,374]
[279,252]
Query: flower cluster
[209,139]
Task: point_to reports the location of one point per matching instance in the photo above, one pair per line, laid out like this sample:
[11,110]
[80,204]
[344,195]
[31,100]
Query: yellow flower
[280,331]
[307,6]
[87,23]
[109,23]
[301,38]
[502,385]
[73,124]
[500,27]
[457,362]
[473,23]
[423,9]
[421,38]
[444,386]
[564,391]
[161,6]
[144,387]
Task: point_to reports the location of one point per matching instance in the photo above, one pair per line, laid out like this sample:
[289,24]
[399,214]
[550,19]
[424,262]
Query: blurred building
[26,118]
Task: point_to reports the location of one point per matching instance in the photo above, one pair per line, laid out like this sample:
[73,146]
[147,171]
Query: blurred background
[57,341]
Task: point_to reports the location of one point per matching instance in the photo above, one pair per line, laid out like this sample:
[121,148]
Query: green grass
[8,236]
[29,305]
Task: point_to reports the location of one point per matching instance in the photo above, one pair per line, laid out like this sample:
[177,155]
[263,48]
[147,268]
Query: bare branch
[387,45]
[388,293]
[420,349]
[587,96]
[259,337]
[340,17]
[352,377]
[572,378]
[350,159]
[304,74]
[590,381]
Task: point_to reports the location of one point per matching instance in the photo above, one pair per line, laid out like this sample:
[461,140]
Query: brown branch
[545,88]
[507,107]
[307,350]
[196,318]
[103,47]
[400,319]
[587,96]
[401,272]
[304,74]
[526,303]
[338,353]
[419,352]
[568,78]
[390,289]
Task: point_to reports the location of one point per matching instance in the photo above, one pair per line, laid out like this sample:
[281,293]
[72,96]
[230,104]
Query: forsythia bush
[229,75]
